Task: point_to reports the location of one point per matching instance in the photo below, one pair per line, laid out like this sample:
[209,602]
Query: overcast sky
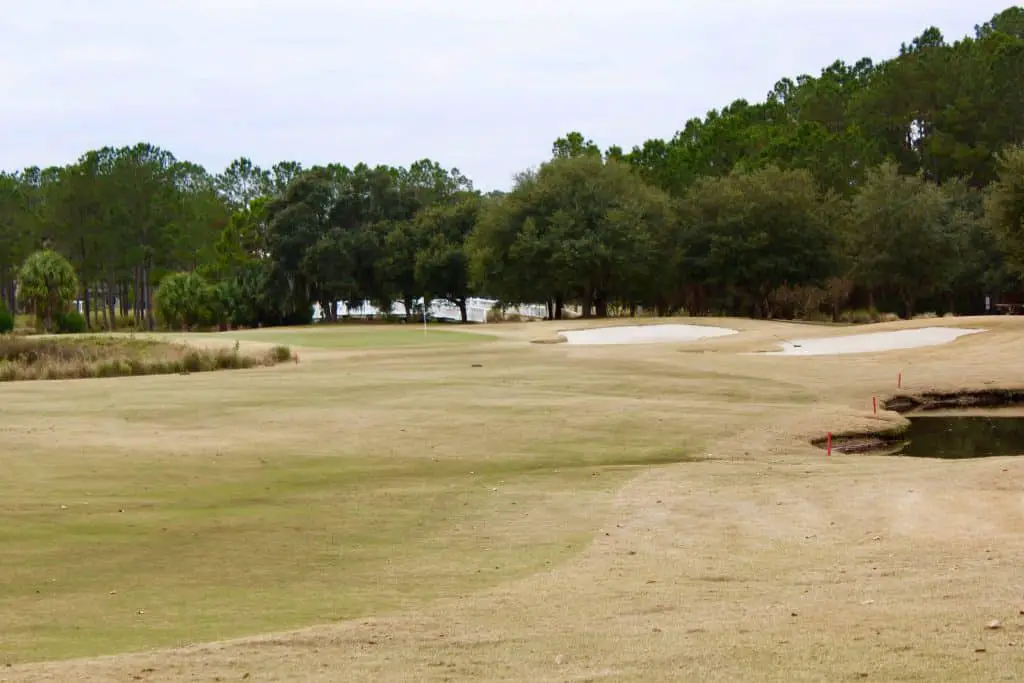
[484,85]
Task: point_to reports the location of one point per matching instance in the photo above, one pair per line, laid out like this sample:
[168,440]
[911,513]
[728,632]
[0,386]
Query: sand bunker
[873,341]
[644,334]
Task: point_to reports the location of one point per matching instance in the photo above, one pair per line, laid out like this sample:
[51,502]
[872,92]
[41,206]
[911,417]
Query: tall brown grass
[26,358]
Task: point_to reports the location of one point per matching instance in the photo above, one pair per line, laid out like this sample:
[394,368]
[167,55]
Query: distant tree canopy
[896,185]
[579,229]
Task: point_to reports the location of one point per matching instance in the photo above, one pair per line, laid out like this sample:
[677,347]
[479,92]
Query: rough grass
[510,512]
[82,356]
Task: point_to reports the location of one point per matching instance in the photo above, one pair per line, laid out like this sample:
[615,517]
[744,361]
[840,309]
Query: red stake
[874,404]
[830,444]
[899,380]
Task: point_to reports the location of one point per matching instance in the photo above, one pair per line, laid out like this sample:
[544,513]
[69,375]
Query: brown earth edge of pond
[883,441]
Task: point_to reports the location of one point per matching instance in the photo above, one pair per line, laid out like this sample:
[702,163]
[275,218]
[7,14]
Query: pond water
[964,436]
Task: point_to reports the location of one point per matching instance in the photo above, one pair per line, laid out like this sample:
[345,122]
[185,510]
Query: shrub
[183,300]
[102,322]
[796,303]
[71,322]
[48,283]
[281,354]
[193,361]
[224,304]
[858,316]
[6,320]
[863,316]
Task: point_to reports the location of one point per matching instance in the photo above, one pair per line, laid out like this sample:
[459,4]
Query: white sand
[644,334]
[872,341]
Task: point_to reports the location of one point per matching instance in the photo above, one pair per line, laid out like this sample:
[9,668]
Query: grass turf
[153,511]
[345,336]
[517,520]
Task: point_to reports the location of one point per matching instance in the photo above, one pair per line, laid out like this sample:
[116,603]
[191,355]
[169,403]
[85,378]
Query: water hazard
[964,436]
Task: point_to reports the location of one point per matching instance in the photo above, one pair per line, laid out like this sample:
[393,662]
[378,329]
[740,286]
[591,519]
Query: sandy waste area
[644,334]
[871,342]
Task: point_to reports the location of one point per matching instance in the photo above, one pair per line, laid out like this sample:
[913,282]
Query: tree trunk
[601,306]
[559,305]
[5,287]
[587,304]
[101,311]
[110,304]
[632,310]
[86,308]
[407,302]
[462,310]
[136,297]
[48,318]
[551,309]
[150,320]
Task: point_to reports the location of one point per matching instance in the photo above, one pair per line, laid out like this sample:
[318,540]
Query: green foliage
[70,322]
[442,264]
[184,300]
[579,228]
[751,233]
[575,145]
[48,284]
[1005,205]
[6,320]
[906,236]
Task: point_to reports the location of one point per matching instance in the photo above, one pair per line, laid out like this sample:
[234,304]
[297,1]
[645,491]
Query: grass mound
[85,357]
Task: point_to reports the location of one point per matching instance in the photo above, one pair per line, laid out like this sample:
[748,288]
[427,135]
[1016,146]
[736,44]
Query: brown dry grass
[101,356]
[764,561]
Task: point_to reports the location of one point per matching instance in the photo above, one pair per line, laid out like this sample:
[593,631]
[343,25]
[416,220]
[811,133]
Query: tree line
[896,186]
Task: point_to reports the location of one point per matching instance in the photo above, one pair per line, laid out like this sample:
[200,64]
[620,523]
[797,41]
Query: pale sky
[483,85]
